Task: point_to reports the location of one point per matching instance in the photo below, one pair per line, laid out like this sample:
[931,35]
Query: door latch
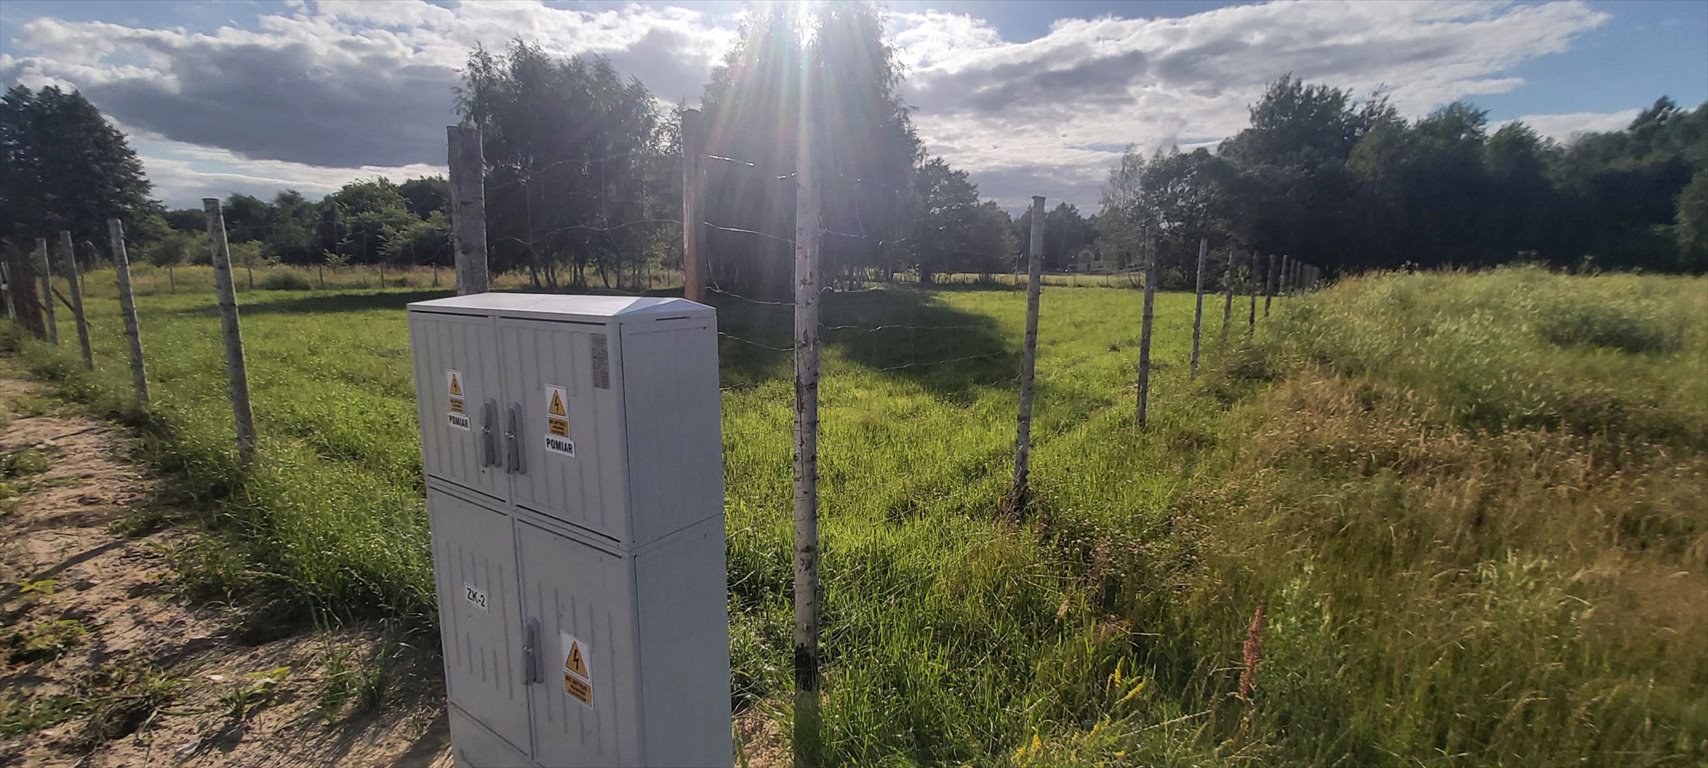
[512,448]
[531,654]
[488,440]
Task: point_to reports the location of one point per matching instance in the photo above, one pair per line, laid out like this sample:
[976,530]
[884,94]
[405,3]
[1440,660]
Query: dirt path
[103,662]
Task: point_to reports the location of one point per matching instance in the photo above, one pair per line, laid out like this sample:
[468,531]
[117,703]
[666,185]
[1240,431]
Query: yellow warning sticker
[577,677]
[455,414]
[578,688]
[557,422]
[575,661]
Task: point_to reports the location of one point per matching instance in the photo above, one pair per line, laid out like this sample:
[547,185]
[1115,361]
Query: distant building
[1089,259]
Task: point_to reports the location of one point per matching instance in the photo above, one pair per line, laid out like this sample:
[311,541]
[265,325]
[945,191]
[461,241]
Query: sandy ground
[91,626]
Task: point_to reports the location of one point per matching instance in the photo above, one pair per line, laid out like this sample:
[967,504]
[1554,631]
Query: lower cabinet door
[583,706]
[480,615]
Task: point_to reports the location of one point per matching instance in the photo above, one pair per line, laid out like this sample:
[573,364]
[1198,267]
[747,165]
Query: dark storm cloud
[1084,79]
[281,103]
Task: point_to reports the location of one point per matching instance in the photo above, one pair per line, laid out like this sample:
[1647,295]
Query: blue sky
[1030,97]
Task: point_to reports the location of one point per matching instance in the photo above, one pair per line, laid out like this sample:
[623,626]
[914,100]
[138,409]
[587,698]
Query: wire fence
[27,279]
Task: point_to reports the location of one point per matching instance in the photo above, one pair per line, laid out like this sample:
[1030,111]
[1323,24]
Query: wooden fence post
[1020,493]
[47,289]
[127,304]
[1251,284]
[1286,279]
[237,372]
[1145,329]
[1198,306]
[1228,294]
[807,278]
[69,251]
[693,266]
[468,207]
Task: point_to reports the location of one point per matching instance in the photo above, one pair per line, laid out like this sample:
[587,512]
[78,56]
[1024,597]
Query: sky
[1031,98]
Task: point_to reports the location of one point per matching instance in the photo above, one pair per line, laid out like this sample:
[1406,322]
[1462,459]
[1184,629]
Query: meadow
[1471,511]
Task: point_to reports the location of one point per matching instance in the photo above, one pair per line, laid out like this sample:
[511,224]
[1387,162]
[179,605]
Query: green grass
[1472,507]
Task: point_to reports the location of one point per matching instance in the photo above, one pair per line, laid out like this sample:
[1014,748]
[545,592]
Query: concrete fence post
[1145,323]
[1252,278]
[1270,278]
[1228,296]
[68,251]
[47,290]
[468,207]
[1020,492]
[806,555]
[693,178]
[6,287]
[127,304]
[1198,304]
[237,372]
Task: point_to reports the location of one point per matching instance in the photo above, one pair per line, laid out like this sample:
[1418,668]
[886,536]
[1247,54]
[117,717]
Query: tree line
[1350,184]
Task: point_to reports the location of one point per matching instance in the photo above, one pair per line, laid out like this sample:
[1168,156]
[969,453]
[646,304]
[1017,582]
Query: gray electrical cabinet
[575,493]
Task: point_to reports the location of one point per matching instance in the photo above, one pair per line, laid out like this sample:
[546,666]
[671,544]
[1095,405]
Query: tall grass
[1471,506]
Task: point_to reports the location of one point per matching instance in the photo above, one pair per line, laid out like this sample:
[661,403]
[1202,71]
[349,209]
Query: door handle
[488,440]
[512,448]
[531,653]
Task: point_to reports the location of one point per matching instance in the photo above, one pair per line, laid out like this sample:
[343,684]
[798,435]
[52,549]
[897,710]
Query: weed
[210,569]
[143,519]
[253,692]
[123,697]
[44,640]
[22,717]
[365,681]
[23,463]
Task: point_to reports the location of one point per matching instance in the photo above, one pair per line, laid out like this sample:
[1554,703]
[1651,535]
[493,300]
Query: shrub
[1622,327]
[284,281]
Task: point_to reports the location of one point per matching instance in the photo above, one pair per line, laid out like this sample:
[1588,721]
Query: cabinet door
[584,705]
[480,613]
[561,381]
[456,360]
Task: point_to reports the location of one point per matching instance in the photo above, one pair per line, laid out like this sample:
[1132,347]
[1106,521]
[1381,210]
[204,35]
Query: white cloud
[1567,126]
[1070,99]
[339,85]
[185,173]
[322,91]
